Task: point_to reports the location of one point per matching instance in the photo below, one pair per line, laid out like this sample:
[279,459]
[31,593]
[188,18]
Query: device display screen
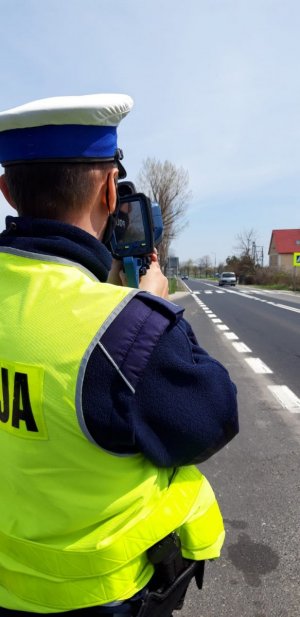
[130,226]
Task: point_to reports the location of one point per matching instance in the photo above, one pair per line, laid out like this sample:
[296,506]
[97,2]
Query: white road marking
[285,306]
[258,365]
[218,291]
[286,397]
[283,394]
[244,294]
[231,336]
[241,347]
[196,292]
[208,292]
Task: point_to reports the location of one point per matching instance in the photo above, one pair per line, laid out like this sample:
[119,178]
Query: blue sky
[216,85]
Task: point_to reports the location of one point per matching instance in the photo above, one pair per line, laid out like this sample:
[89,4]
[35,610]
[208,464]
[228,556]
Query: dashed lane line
[241,347]
[231,336]
[258,366]
[283,394]
[286,397]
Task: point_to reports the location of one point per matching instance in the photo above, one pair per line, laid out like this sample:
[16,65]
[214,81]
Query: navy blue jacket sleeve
[183,407]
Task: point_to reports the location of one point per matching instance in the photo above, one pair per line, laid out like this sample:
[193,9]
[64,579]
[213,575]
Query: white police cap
[68,128]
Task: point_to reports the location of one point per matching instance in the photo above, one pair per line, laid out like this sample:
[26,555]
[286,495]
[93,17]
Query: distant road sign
[296,261]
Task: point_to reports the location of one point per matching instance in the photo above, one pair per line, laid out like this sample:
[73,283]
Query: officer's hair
[52,190]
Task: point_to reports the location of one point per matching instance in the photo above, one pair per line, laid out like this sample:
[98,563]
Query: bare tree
[167,185]
[204,263]
[186,267]
[246,240]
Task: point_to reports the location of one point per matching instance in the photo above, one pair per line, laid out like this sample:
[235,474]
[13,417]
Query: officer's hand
[154,280]
[116,275]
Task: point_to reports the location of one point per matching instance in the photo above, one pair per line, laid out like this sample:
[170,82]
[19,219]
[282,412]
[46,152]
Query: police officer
[107,399]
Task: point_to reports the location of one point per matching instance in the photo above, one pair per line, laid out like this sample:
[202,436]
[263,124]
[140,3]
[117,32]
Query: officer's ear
[111,189]
[5,191]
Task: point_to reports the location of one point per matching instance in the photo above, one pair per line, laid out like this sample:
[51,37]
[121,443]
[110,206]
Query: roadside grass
[174,285]
[274,286]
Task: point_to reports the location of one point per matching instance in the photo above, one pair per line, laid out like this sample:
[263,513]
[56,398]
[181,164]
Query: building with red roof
[283,244]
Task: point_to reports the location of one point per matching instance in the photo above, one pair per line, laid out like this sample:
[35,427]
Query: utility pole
[258,254]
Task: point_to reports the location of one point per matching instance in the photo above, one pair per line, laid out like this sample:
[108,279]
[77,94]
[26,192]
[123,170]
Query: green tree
[244,267]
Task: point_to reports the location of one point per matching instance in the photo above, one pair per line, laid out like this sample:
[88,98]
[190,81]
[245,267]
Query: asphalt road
[267,322]
[256,477]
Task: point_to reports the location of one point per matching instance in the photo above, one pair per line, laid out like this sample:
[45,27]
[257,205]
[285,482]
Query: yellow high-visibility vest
[76,520]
